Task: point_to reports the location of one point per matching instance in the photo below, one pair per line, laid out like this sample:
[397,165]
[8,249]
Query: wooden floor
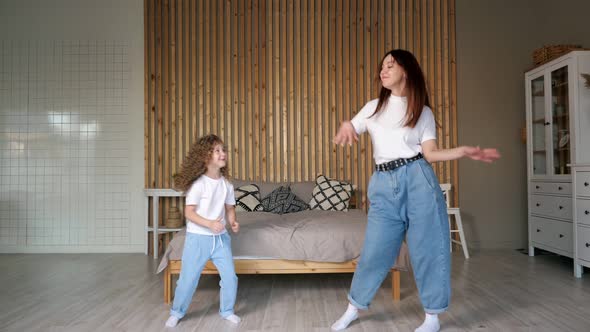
[493,291]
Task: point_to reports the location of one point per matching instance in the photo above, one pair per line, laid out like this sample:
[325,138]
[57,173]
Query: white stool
[454,211]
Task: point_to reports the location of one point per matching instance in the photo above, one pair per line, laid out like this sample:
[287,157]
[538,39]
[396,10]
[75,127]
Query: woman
[405,198]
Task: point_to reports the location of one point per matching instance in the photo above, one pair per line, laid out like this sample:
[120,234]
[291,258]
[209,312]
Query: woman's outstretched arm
[433,154]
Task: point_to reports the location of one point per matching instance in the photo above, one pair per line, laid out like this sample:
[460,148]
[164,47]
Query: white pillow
[330,195]
[248,198]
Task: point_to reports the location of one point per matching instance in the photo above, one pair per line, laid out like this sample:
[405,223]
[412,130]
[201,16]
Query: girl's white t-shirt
[391,140]
[210,196]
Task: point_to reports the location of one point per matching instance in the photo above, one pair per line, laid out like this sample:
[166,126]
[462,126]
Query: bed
[310,241]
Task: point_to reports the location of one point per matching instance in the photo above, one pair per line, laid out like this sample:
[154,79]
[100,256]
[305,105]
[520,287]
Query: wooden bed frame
[275,266]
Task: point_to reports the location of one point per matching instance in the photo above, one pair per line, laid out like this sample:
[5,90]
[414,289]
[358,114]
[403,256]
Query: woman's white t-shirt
[391,140]
[210,196]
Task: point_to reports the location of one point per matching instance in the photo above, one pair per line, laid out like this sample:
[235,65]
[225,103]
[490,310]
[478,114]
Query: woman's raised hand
[346,134]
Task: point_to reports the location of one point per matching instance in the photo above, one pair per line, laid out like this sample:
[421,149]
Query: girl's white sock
[431,324]
[233,318]
[350,315]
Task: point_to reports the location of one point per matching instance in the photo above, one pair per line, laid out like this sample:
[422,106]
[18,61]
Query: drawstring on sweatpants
[220,241]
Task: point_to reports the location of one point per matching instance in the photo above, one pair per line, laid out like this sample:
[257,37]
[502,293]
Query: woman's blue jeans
[406,202]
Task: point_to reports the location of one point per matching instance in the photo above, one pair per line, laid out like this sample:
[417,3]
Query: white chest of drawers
[581,211]
[550,217]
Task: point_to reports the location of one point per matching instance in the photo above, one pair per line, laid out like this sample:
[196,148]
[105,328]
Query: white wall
[71,126]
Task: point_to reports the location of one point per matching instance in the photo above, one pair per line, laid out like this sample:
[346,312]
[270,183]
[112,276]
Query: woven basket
[174,218]
[550,52]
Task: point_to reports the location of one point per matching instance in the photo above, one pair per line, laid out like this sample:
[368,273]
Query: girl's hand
[235,227]
[215,226]
[346,134]
[485,155]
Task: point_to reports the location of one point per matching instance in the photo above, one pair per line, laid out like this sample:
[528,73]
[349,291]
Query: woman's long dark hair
[417,93]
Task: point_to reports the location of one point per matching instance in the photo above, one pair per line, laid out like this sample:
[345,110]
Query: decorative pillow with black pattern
[330,195]
[248,198]
[282,200]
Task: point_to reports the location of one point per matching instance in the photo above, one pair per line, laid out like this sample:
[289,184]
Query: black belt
[391,165]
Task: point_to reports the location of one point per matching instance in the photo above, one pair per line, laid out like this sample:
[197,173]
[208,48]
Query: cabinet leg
[578,270]
[531,251]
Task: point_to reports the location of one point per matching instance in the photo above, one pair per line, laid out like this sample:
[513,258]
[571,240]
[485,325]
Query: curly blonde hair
[196,161]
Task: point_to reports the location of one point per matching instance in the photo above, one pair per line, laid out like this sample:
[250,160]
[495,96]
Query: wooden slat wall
[275,78]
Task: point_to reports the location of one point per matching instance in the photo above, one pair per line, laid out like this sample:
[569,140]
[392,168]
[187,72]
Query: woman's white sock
[233,318]
[350,315]
[431,324]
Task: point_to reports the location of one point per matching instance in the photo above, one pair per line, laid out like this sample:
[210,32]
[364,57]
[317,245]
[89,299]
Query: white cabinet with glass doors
[551,106]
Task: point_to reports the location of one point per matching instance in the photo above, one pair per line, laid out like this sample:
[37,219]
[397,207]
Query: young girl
[404,193]
[210,203]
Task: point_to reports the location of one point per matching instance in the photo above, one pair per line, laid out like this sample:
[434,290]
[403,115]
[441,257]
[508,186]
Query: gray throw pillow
[282,200]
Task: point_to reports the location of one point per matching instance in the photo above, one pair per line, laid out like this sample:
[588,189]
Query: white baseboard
[4,249]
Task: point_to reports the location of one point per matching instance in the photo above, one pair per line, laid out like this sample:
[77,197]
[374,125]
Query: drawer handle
[587,244]
[587,212]
[560,236]
[559,188]
[537,187]
[585,184]
[560,207]
[538,204]
[538,230]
